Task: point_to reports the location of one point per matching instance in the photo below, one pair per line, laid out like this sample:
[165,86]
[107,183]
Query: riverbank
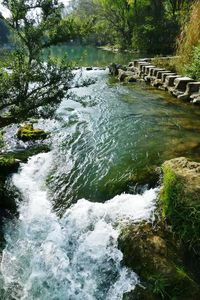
[184,88]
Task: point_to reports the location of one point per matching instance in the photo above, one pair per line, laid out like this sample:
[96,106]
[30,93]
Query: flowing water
[74,200]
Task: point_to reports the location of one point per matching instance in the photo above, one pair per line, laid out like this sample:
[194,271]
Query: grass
[189,38]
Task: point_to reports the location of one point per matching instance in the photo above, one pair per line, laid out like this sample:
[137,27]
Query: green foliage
[145,25]
[32,84]
[159,284]
[193,68]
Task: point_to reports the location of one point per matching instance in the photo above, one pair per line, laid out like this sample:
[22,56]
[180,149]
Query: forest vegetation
[146,26]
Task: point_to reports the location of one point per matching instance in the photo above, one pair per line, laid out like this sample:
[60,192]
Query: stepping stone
[169,81]
[192,91]
[159,74]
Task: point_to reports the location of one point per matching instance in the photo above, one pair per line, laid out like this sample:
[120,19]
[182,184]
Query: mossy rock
[146,178]
[8,164]
[180,200]
[28,133]
[155,256]
[24,154]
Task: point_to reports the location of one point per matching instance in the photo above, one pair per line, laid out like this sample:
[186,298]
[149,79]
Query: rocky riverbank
[183,88]
[165,254]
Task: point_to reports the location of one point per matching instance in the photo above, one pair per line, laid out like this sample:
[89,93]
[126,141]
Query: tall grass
[189,38]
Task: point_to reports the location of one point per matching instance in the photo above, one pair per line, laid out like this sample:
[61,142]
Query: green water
[112,134]
[90,56]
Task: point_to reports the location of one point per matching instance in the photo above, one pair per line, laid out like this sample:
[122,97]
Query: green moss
[28,133]
[181,207]
[8,164]
[170,193]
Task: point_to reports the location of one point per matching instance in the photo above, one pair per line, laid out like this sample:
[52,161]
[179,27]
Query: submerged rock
[154,255]
[28,133]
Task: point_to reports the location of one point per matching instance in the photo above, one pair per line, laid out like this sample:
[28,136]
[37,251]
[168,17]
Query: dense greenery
[31,83]
[193,68]
[146,25]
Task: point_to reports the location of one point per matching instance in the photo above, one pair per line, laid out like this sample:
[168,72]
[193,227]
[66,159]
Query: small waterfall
[75,257]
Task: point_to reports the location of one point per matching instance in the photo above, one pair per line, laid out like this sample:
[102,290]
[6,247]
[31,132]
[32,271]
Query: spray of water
[75,257]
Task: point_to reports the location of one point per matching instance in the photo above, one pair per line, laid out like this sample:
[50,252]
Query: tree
[120,16]
[32,83]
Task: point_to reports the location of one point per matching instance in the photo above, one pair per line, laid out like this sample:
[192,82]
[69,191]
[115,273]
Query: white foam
[75,257]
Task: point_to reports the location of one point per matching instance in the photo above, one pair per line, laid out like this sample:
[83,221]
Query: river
[74,200]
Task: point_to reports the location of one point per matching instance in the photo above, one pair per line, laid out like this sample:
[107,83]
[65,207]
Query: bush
[193,69]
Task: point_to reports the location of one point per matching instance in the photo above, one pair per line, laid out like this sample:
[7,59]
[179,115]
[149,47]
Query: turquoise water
[75,199]
[91,56]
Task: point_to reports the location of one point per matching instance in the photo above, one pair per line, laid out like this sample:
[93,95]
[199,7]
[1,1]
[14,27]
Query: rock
[114,69]
[169,81]
[164,75]
[152,252]
[156,70]
[132,69]
[139,61]
[180,84]
[8,164]
[131,79]
[192,88]
[180,200]
[124,74]
[147,68]
[89,68]
[23,154]
[28,133]
[196,100]
[160,73]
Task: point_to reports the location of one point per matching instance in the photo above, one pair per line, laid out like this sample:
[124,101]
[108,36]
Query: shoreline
[181,87]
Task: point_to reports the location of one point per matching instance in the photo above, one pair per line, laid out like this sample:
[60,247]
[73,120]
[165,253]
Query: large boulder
[152,252]
[180,200]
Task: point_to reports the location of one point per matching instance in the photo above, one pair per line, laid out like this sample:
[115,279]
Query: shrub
[193,69]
